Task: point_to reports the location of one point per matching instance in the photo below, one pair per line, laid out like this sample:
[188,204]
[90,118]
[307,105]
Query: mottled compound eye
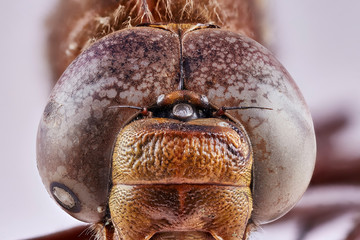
[140,67]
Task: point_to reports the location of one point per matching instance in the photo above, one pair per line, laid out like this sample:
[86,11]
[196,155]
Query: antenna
[144,111]
[222,110]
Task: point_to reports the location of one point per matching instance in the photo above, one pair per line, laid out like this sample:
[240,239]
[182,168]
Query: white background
[317,41]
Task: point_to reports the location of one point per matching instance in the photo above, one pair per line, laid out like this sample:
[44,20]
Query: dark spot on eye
[186,67]
[65,197]
[49,109]
[209,83]
[112,70]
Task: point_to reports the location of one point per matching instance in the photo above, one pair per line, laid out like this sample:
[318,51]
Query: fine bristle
[95,231]
[103,231]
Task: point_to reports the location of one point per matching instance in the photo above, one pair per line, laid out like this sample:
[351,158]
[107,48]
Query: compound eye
[78,128]
[183,111]
[282,140]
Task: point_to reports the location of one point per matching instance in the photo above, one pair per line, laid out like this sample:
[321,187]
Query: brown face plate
[170,175]
[138,212]
[168,151]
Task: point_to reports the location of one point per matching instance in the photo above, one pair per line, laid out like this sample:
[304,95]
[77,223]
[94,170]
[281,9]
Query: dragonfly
[170,121]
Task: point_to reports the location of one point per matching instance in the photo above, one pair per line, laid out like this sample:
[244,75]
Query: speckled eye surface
[134,67]
[78,129]
[233,70]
